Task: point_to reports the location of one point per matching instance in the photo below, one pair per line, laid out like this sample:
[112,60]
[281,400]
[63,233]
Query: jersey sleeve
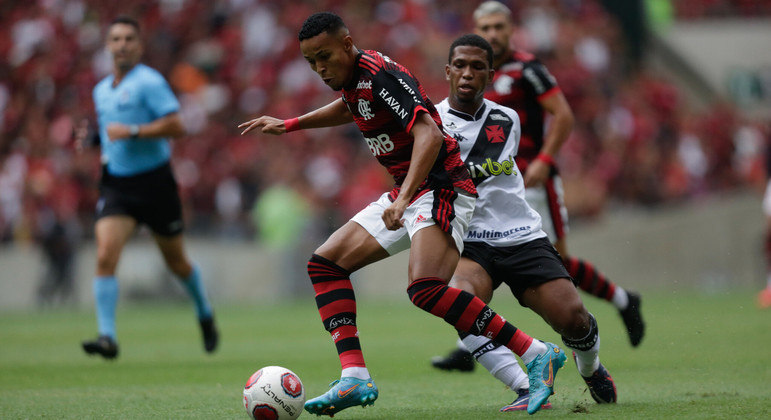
[399,93]
[540,80]
[158,96]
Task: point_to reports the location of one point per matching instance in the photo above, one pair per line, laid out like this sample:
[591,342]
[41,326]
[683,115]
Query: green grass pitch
[704,356]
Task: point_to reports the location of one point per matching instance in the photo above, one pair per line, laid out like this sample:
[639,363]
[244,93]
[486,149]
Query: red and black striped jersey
[519,84]
[385,99]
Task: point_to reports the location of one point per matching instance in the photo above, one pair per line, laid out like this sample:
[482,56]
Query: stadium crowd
[636,140]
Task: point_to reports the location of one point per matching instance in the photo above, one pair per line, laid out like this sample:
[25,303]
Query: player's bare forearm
[332,114]
[560,126]
[428,142]
[167,126]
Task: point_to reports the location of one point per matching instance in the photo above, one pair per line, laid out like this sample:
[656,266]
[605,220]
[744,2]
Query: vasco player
[505,242]
[522,83]
[430,206]
[137,114]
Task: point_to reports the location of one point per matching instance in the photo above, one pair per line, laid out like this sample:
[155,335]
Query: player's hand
[269,125]
[537,173]
[392,216]
[117,131]
[80,134]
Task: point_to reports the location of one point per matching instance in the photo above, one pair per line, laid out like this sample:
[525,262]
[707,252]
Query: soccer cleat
[541,372]
[343,393]
[210,334]
[633,321]
[520,404]
[601,386]
[458,359]
[104,346]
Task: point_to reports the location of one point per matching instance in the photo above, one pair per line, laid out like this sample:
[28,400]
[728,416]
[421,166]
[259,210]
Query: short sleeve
[539,78]
[158,96]
[399,93]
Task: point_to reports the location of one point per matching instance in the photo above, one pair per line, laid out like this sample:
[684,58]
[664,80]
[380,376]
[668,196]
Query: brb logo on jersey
[379,145]
[364,110]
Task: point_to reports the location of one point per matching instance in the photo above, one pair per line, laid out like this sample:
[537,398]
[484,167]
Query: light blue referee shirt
[141,97]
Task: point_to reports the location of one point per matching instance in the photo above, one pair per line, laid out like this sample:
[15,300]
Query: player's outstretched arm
[332,114]
[428,142]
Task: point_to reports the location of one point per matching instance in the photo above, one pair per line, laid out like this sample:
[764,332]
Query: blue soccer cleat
[541,373]
[520,404]
[343,393]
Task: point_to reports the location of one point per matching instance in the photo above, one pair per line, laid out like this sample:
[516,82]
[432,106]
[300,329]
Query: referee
[137,114]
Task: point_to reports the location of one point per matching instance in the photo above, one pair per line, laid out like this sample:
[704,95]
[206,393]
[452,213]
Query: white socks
[588,361]
[356,372]
[620,299]
[536,347]
[500,361]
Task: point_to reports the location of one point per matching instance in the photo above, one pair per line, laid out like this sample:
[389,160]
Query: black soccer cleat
[104,346]
[210,334]
[459,359]
[633,321]
[601,385]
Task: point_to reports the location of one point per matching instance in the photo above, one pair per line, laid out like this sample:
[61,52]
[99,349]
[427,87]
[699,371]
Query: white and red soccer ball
[274,393]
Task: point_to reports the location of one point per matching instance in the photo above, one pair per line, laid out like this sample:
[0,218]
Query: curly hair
[320,22]
[472,40]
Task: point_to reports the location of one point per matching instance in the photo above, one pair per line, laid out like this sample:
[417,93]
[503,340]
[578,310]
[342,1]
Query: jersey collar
[468,117]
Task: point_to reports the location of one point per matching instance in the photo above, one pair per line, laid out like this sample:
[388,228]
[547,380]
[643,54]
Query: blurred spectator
[635,140]
[282,216]
[59,237]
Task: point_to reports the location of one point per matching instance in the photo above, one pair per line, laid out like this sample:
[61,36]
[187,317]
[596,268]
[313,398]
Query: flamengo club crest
[364,110]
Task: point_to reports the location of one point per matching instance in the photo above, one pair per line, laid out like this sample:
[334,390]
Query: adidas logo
[419,219]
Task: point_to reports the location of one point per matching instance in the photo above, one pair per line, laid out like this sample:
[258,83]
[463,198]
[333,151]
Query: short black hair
[320,22]
[126,20]
[472,40]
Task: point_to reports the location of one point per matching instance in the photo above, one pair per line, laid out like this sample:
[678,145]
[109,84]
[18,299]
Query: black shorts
[150,198]
[519,266]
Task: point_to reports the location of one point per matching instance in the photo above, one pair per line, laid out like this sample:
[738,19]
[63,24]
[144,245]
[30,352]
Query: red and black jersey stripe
[385,99]
[519,84]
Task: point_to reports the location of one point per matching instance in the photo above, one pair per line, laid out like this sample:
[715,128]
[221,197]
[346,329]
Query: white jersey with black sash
[488,142]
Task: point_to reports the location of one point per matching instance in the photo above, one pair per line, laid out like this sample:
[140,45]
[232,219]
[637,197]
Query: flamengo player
[505,243]
[430,206]
[523,84]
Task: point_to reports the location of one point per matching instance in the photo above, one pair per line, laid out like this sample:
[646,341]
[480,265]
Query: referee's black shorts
[150,198]
[519,266]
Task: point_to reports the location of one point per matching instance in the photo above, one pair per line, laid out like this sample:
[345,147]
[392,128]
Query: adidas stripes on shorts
[446,208]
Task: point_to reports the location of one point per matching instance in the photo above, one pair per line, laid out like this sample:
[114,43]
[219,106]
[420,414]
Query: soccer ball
[274,393]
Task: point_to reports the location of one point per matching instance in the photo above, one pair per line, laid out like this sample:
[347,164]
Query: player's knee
[575,321]
[421,290]
[106,260]
[584,340]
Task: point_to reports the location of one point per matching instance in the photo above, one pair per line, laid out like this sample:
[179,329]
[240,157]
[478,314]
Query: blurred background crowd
[637,140]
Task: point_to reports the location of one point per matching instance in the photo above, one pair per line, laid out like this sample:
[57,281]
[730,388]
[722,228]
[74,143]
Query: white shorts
[767,200]
[549,201]
[450,210]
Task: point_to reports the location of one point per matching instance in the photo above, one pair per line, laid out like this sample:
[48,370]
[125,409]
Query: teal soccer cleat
[541,372]
[343,393]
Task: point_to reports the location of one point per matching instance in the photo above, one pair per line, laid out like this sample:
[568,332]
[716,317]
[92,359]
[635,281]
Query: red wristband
[543,157]
[292,124]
